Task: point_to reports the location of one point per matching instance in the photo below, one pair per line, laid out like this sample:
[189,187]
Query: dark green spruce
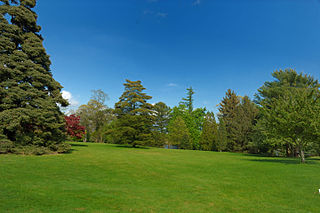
[29,96]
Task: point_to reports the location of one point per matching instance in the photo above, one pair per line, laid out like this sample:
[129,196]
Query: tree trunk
[302,156]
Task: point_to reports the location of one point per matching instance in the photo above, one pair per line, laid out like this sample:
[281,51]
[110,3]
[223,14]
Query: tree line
[283,119]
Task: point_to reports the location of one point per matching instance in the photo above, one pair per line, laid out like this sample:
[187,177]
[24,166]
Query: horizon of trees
[282,120]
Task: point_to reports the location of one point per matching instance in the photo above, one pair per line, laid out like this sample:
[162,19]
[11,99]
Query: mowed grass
[109,178]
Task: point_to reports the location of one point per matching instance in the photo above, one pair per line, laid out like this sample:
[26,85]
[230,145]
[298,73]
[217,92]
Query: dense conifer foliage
[29,96]
[135,117]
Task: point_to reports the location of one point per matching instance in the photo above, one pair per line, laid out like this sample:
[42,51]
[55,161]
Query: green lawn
[109,178]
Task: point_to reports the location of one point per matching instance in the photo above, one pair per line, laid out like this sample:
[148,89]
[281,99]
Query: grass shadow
[282,160]
[131,147]
[73,144]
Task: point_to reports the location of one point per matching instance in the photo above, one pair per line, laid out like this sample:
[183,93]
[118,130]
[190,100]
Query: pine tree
[29,96]
[222,136]
[162,117]
[208,138]
[228,113]
[135,115]
[244,122]
[188,101]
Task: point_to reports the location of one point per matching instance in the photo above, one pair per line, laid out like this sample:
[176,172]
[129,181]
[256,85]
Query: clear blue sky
[211,45]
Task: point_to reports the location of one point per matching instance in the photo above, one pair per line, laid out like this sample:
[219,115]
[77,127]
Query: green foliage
[290,108]
[94,116]
[222,136]
[228,112]
[239,116]
[193,118]
[29,96]
[209,134]
[161,121]
[179,134]
[188,101]
[134,116]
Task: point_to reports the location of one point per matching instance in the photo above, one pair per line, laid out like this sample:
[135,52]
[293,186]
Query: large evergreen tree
[29,96]
[135,115]
[228,110]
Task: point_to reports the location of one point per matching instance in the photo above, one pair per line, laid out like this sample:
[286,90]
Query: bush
[61,148]
[6,146]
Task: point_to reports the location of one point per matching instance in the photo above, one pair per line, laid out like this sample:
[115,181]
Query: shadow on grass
[283,160]
[131,147]
[73,144]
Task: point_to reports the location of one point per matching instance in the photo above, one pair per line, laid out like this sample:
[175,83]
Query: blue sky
[169,45]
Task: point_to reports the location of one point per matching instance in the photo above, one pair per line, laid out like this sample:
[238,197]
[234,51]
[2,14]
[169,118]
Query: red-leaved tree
[74,129]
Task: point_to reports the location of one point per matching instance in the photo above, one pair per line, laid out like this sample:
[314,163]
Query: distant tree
[29,95]
[222,136]
[208,138]
[179,134]
[188,101]
[134,115]
[228,111]
[193,121]
[162,117]
[74,129]
[94,115]
[244,121]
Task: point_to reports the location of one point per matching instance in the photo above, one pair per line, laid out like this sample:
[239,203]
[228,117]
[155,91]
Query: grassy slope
[107,178]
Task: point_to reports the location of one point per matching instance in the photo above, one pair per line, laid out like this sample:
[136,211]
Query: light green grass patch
[111,178]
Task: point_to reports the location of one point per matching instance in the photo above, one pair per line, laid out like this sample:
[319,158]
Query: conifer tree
[135,115]
[188,101]
[208,138]
[29,96]
[228,113]
[162,116]
[222,136]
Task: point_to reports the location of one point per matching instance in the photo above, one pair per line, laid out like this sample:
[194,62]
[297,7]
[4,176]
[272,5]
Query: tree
[228,110]
[188,101]
[244,121]
[222,136]
[162,116]
[29,96]
[94,115]
[294,117]
[74,129]
[274,96]
[135,115]
[208,138]
[193,121]
[179,134]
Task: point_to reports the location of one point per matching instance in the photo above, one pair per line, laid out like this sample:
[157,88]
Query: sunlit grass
[110,178]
